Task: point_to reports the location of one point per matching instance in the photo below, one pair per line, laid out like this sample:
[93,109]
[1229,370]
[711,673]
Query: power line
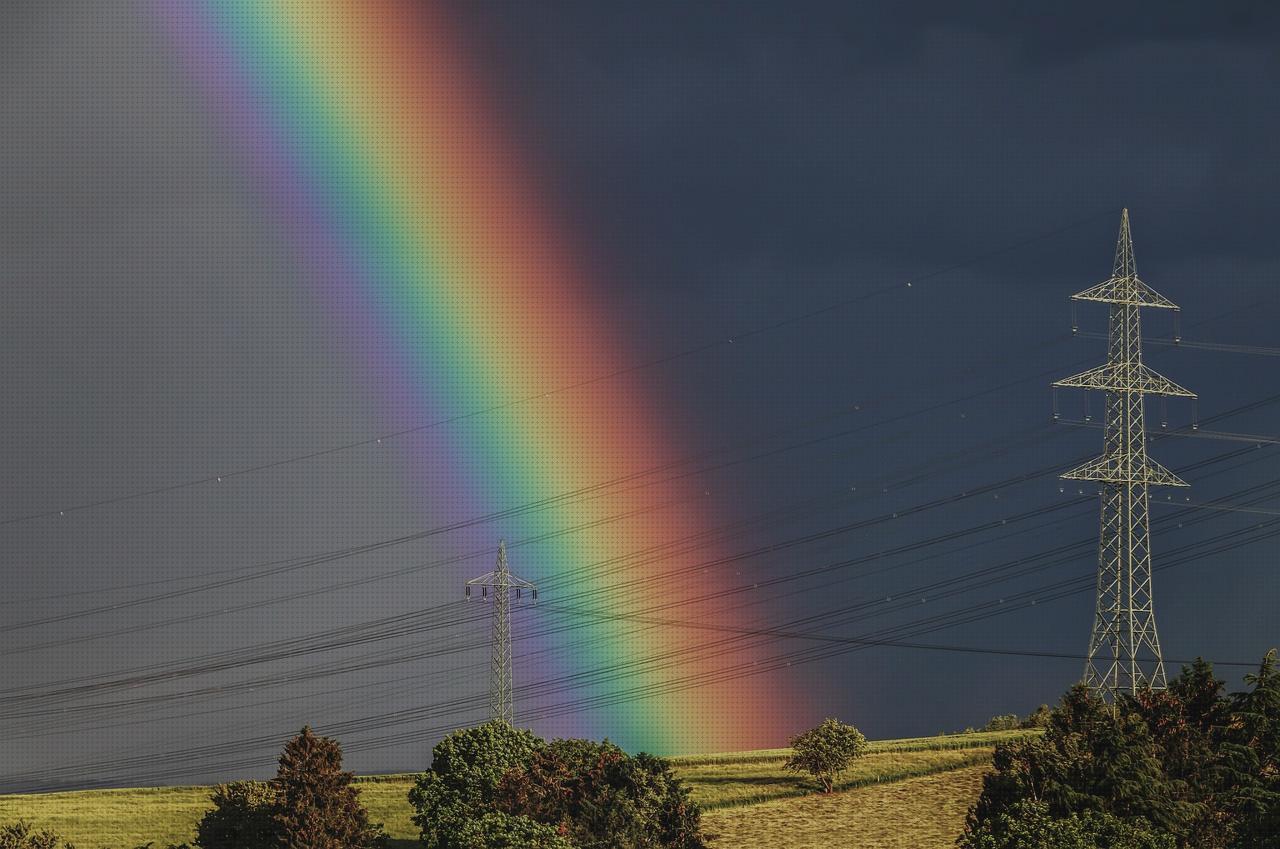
[1253,541]
[846,644]
[416,735]
[1197,433]
[1201,345]
[756,552]
[916,590]
[697,349]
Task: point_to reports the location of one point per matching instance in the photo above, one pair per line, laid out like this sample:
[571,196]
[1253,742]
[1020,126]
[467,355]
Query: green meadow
[903,793]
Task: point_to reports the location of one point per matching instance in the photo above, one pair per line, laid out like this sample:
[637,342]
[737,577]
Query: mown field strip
[975,740]
[113,819]
[926,812]
[733,785]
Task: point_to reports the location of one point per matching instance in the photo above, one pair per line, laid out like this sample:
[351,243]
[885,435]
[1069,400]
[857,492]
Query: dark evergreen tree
[1187,764]
[316,805]
[1253,758]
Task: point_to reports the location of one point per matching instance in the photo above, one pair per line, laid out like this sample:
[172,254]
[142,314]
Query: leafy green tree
[462,782]
[827,751]
[316,806]
[242,817]
[496,830]
[602,798]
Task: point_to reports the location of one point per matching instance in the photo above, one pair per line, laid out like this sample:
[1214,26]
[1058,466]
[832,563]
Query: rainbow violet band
[379,152]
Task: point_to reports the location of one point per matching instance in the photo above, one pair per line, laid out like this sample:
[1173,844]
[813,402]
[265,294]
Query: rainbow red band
[377,149]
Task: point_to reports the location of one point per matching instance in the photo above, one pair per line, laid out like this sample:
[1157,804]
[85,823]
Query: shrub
[497,830]
[316,806]
[1038,718]
[826,751]
[241,817]
[22,835]
[602,798]
[465,770]
[1003,722]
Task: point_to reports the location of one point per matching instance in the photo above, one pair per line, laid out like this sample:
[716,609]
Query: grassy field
[918,813]
[903,793]
[728,784]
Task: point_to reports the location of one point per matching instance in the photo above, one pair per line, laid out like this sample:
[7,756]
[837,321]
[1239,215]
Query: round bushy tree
[826,751]
[496,830]
[316,806]
[242,817]
[603,798]
[461,784]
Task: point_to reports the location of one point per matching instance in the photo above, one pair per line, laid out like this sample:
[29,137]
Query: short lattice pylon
[1124,650]
[497,586]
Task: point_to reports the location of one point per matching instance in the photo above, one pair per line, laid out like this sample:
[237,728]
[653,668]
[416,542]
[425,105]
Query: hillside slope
[903,793]
[916,813]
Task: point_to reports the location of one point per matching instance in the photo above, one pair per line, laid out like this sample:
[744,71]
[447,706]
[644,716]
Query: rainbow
[379,149]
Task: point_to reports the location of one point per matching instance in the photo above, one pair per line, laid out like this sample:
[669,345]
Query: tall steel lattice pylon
[497,586]
[1124,651]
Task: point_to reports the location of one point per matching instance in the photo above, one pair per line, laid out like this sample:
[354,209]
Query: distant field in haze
[903,794]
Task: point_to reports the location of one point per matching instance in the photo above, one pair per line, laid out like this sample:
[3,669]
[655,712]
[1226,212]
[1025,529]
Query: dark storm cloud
[826,131]
[728,163]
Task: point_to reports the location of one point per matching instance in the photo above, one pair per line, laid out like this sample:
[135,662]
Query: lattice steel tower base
[1124,651]
[496,586]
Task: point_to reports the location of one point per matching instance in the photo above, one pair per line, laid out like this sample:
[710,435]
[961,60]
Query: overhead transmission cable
[667,358]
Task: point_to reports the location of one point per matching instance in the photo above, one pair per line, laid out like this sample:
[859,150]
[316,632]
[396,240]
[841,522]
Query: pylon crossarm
[1132,377]
[492,579]
[1114,469]
[1125,290]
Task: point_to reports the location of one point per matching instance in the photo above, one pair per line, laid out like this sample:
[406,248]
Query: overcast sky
[726,164]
